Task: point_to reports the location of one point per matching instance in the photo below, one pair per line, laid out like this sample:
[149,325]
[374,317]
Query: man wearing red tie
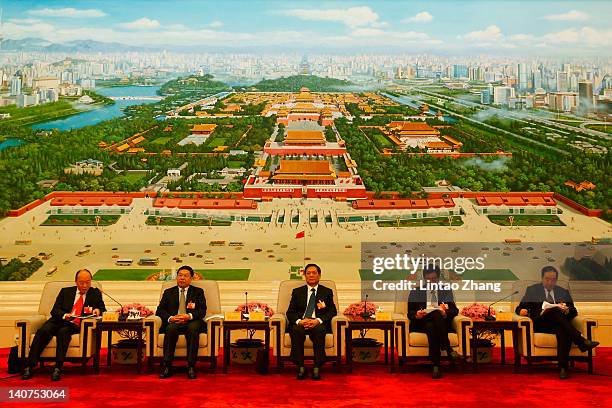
[70,302]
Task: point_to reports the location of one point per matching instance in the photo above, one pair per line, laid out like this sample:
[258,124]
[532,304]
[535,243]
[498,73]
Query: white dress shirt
[308,293]
[76,299]
[179,299]
[429,302]
[552,294]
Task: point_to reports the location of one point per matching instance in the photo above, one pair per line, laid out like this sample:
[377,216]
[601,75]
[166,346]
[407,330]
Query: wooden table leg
[349,349]
[516,332]
[139,351]
[98,343]
[226,335]
[109,344]
[392,334]
[475,349]
[267,349]
[503,346]
[386,336]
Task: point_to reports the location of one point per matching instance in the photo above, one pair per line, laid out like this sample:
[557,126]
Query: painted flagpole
[302,235]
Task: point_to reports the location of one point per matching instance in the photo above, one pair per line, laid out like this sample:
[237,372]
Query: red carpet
[368,385]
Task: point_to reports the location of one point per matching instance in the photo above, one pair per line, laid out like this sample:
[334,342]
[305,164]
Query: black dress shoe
[588,345]
[27,373]
[301,373]
[166,372]
[191,373]
[454,356]
[436,373]
[315,374]
[56,375]
[563,374]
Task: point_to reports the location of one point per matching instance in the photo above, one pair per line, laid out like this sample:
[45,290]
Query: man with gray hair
[70,303]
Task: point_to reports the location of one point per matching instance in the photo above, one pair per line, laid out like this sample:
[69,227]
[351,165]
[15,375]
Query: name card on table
[503,316]
[233,316]
[257,316]
[382,316]
[110,317]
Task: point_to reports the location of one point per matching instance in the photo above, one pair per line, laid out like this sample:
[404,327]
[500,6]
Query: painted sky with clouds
[471,26]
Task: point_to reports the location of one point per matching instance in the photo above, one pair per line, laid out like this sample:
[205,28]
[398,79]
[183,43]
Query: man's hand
[309,323]
[443,307]
[180,318]
[421,314]
[524,312]
[67,316]
[564,308]
[96,312]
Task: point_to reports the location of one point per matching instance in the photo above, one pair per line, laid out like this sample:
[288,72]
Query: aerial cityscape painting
[249,138]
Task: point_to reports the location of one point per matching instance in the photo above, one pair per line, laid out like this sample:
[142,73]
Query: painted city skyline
[530,28]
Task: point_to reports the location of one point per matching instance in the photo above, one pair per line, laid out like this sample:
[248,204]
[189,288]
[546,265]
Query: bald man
[70,301]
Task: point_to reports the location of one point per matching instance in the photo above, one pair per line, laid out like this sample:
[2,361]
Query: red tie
[77,310]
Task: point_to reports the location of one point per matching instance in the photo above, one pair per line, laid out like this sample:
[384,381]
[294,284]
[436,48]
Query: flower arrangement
[124,311]
[255,306]
[360,309]
[477,311]
[144,311]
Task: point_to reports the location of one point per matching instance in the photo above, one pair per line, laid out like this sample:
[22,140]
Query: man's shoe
[436,373]
[301,373]
[563,374]
[56,375]
[315,374]
[191,373]
[166,372]
[27,373]
[454,356]
[588,345]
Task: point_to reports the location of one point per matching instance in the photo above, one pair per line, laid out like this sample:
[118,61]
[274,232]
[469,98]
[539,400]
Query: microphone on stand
[492,318]
[114,300]
[365,313]
[246,303]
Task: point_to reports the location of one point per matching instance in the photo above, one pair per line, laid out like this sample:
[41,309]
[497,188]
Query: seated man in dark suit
[556,320]
[310,312]
[435,323]
[71,301]
[182,309]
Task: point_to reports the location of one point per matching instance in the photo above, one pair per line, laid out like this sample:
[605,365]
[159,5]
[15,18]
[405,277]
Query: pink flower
[477,311]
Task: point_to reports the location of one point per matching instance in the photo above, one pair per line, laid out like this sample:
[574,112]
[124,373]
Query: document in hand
[546,305]
[431,309]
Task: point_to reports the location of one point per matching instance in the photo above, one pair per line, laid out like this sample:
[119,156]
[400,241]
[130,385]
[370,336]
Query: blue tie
[311,304]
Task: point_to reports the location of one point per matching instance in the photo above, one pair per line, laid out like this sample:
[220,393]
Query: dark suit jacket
[65,301]
[417,300]
[299,301]
[535,295]
[169,304]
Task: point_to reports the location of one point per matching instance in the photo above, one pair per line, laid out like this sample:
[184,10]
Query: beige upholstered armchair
[333,341]
[209,341]
[414,345]
[81,346]
[535,346]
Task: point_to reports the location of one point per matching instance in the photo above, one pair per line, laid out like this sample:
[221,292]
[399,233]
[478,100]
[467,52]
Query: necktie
[434,298]
[311,304]
[77,310]
[549,297]
[182,309]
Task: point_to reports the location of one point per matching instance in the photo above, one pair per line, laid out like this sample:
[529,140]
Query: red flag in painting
[299,235]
